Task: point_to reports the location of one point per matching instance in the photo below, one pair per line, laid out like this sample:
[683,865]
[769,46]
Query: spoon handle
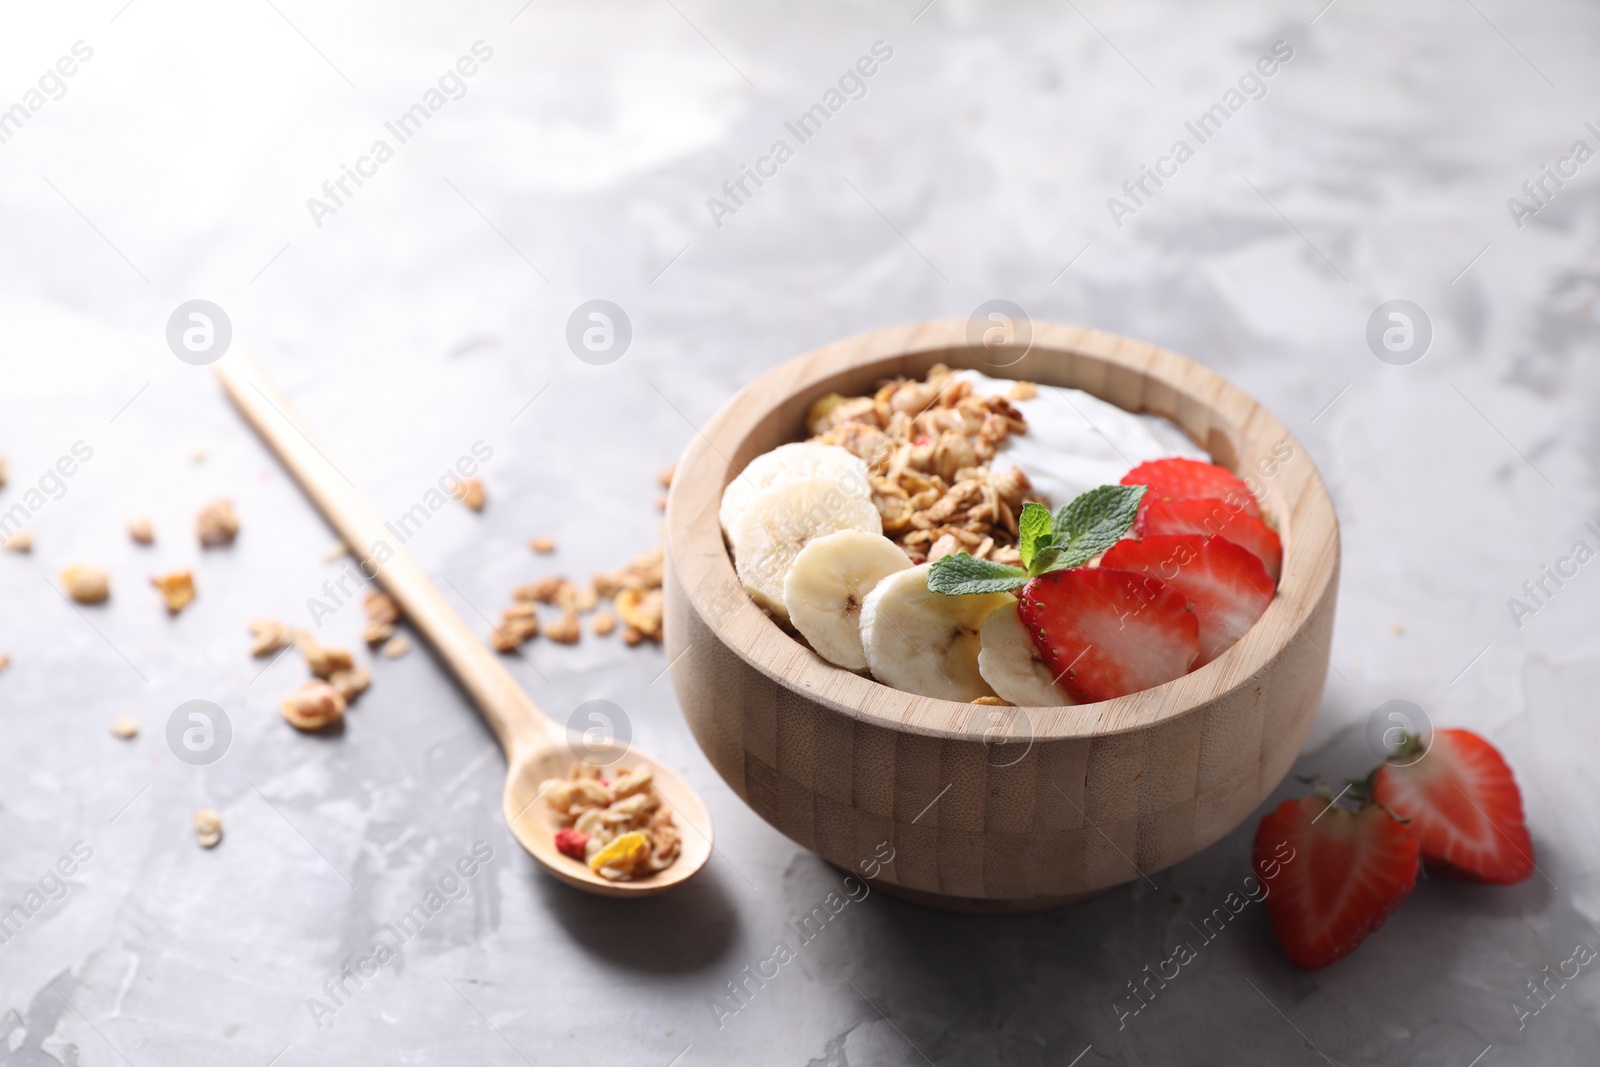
[516,720]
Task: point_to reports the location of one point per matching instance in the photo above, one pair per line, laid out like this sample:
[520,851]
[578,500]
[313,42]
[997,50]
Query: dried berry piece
[571,843]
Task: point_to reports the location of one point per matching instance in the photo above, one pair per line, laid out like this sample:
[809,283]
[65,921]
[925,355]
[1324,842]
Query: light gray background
[428,312]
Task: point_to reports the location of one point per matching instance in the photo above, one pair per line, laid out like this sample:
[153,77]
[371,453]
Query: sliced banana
[926,642]
[783,518]
[1010,662]
[786,463]
[826,585]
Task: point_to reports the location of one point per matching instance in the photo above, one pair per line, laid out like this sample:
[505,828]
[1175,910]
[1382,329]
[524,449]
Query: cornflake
[217,524]
[621,828]
[86,585]
[176,588]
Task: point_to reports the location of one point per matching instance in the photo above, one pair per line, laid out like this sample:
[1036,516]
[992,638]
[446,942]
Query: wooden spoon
[536,748]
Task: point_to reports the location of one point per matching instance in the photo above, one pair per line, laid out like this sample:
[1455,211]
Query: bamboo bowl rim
[1134,375]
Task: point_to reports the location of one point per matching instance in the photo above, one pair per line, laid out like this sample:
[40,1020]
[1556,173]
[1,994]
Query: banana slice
[783,518]
[926,642]
[786,463]
[1010,662]
[826,585]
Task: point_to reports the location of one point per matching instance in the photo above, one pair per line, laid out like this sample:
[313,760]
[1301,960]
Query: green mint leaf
[1093,523]
[961,574]
[1034,529]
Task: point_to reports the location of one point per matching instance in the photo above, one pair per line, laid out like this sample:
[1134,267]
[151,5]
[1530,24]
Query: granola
[21,541]
[470,492]
[86,585]
[314,705]
[542,545]
[268,636]
[125,727]
[142,530]
[208,827]
[176,589]
[620,828]
[217,524]
[927,446]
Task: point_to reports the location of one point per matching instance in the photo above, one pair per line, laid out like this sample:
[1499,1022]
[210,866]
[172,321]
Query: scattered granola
[217,524]
[2,470]
[125,727]
[314,705]
[350,682]
[21,541]
[927,445]
[664,479]
[324,660]
[542,545]
[5,660]
[545,590]
[631,636]
[641,610]
[141,530]
[268,636]
[176,588]
[383,611]
[585,600]
[86,585]
[565,629]
[207,827]
[335,551]
[518,623]
[621,829]
[603,623]
[396,647]
[661,503]
[470,492]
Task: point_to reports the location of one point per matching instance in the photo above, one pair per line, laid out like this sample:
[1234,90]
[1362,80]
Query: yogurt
[1077,442]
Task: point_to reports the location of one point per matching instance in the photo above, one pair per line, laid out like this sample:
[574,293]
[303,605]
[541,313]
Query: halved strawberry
[1227,585]
[1106,633]
[1191,479]
[1212,518]
[1465,809]
[1331,875]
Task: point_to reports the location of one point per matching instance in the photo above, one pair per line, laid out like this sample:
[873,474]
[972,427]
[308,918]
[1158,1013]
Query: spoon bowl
[536,749]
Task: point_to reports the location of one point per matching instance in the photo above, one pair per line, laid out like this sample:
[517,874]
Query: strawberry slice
[1191,479]
[1227,585]
[1465,809]
[1331,876]
[1106,633]
[1210,518]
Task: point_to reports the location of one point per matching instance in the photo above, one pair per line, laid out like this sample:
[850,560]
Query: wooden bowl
[984,808]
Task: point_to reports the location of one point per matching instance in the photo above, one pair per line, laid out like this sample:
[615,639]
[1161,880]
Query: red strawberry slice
[1465,809]
[570,842]
[1106,633]
[1227,586]
[1190,479]
[1212,518]
[1331,876]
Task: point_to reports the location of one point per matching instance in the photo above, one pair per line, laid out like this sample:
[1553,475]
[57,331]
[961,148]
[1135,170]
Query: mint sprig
[1077,533]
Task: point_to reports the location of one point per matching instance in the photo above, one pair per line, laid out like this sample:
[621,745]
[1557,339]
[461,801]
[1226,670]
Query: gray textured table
[424,310]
